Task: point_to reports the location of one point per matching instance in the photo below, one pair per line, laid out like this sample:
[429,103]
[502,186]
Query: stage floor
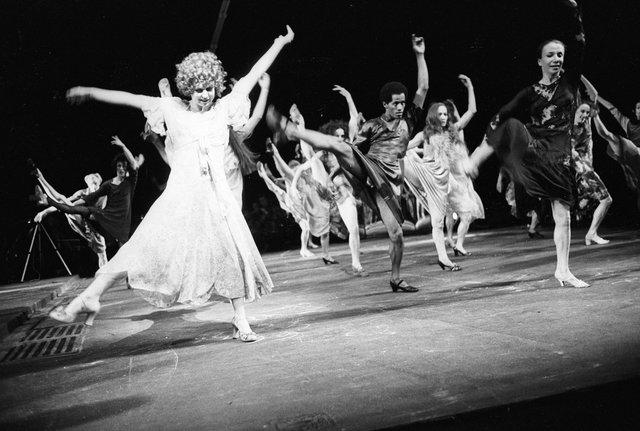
[344,352]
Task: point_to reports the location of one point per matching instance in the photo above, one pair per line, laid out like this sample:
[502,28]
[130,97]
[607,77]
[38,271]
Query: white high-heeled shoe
[247,337]
[89,307]
[571,280]
[596,239]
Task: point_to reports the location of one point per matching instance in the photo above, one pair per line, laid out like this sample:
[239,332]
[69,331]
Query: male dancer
[374,161]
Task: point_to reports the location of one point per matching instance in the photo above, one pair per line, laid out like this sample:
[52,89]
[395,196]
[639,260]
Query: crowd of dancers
[194,242]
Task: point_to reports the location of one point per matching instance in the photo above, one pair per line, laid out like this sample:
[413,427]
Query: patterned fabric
[588,184]
[538,154]
[194,242]
[379,148]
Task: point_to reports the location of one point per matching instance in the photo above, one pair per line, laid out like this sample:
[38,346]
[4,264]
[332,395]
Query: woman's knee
[607,201]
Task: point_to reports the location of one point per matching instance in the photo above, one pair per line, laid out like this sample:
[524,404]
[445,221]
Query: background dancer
[625,151]
[310,199]
[462,198]
[385,140]
[278,187]
[332,176]
[538,155]
[114,220]
[588,182]
[78,223]
[194,241]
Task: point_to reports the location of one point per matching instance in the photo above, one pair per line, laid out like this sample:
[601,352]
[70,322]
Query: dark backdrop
[48,47]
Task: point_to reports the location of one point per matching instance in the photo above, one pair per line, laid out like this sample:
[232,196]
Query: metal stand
[36,229]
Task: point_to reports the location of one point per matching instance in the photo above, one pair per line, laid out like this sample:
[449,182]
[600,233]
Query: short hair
[200,69]
[547,42]
[391,88]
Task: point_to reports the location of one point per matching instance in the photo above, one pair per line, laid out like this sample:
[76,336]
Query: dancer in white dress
[194,241]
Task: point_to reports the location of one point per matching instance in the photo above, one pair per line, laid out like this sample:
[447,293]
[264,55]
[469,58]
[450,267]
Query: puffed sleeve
[154,111]
[236,106]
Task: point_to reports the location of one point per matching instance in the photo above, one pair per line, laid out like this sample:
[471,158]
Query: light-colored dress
[462,197]
[194,242]
[428,177]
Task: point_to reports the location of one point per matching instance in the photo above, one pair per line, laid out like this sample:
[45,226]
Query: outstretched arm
[78,95]
[471,107]
[258,111]
[134,163]
[353,112]
[262,65]
[594,96]
[423,72]
[603,131]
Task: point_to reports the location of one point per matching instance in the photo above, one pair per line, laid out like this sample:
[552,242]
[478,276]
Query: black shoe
[535,235]
[397,286]
[457,252]
[329,262]
[455,267]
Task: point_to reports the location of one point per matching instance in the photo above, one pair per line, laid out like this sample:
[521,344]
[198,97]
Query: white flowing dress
[194,242]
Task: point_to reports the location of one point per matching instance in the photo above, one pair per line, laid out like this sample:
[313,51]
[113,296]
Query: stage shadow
[608,406]
[76,415]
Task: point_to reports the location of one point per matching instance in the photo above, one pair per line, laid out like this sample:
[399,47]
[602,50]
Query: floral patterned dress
[588,183]
[538,154]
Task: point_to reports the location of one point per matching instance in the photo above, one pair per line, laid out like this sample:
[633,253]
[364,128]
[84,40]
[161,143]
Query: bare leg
[333,144]
[463,228]
[49,190]
[479,155]
[598,216]
[102,259]
[88,301]
[349,214]
[396,243]
[70,209]
[304,239]
[534,221]
[450,223]
[324,243]
[562,239]
[437,232]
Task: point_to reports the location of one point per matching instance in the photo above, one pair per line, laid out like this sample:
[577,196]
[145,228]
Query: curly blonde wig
[200,69]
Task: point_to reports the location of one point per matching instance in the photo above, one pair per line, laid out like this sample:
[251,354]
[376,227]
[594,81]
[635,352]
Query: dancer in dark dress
[114,220]
[374,159]
[538,154]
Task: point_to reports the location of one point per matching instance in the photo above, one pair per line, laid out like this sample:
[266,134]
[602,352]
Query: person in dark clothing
[114,220]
